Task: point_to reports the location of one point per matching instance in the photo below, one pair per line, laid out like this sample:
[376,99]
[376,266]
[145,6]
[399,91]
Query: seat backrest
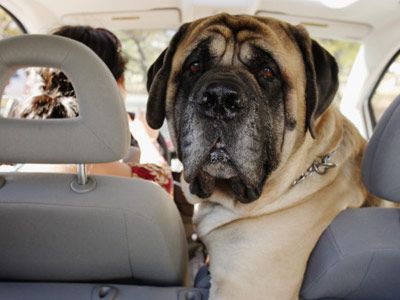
[55,229]
[358,256]
[381,163]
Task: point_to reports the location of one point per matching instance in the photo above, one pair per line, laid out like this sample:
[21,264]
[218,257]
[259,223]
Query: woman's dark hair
[102,41]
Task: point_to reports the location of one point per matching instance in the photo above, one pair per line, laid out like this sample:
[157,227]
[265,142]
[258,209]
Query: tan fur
[259,250]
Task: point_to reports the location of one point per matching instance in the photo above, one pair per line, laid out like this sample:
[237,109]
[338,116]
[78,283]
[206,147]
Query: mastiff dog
[268,160]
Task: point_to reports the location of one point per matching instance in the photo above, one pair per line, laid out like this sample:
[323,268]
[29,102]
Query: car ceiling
[355,21]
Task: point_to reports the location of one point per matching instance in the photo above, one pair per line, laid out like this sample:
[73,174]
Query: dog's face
[240,93]
[230,115]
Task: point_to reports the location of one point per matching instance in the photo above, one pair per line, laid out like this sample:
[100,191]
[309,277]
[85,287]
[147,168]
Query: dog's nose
[220,101]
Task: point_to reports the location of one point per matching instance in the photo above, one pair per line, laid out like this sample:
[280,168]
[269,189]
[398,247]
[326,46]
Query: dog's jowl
[248,102]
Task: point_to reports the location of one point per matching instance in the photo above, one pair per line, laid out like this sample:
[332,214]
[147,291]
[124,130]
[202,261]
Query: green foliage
[141,47]
[345,53]
[8,27]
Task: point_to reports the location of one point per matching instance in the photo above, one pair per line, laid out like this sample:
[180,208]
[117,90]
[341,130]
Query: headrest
[381,162]
[99,134]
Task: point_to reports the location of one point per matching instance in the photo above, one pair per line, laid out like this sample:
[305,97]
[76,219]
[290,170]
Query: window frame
[371,113]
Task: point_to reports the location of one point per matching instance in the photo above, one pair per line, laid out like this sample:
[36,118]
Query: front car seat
[358,256]
[61,229]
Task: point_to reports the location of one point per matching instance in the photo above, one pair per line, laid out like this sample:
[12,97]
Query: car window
[141,47]
[387,89]
[9,27]
[345,53]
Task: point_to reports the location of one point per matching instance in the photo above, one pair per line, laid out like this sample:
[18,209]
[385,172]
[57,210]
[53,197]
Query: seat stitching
[127,244]
[365,275]
[335,243]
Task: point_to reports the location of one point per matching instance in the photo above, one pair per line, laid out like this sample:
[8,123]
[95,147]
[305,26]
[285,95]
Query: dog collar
[321,165]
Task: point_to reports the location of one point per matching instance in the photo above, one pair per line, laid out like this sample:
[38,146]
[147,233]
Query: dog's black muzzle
[221,141]
[220,96]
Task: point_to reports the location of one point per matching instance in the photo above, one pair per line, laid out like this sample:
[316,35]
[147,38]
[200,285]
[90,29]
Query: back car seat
[81,237]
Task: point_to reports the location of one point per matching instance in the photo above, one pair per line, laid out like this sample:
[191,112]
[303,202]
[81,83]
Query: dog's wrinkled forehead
[231,40]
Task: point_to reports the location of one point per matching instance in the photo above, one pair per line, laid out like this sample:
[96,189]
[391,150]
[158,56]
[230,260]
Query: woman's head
[102,41]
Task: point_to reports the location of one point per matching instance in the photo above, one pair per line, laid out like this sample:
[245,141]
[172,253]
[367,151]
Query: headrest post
[82,183]
[81,173]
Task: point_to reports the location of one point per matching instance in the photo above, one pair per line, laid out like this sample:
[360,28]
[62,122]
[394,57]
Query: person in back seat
[57,100]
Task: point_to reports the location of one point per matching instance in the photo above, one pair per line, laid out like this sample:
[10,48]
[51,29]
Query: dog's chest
[265,257]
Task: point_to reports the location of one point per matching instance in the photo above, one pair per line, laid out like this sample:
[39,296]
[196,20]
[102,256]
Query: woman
[57,99]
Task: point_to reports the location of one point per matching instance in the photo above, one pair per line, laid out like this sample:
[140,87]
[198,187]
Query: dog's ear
[321,75]
[157,80]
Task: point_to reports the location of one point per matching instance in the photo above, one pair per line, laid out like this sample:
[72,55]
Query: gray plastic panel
[64,291]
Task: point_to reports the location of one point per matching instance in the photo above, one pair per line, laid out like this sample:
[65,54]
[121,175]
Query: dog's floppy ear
[321,75]
[157,80]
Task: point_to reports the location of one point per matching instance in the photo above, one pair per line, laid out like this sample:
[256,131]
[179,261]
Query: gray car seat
[358,256]
[69,228]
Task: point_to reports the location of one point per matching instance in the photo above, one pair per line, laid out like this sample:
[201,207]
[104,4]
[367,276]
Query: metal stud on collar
[320,166]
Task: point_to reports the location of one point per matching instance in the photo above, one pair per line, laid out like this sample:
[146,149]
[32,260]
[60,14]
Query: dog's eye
[267,73]
[195,67]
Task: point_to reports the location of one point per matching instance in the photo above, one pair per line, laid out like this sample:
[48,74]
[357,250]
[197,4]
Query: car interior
[86,236]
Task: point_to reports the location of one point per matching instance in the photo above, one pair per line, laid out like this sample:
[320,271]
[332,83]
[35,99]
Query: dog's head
[240,93]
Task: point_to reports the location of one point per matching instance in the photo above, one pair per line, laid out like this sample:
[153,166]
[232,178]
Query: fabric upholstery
[124,229]
[357,258]
[381,163]
[99,134]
